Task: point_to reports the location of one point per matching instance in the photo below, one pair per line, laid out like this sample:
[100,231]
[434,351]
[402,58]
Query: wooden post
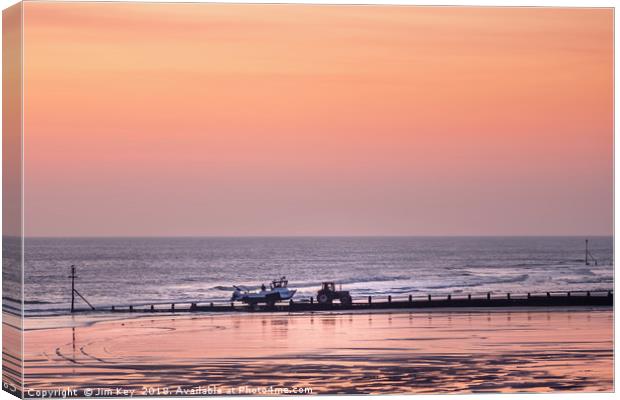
[72,288]
[508,296]
[469,296]
[488,295]
[389,299]
[429,297]
[369,299]
[311,300]
[410,298]
[74,291]
[529,295]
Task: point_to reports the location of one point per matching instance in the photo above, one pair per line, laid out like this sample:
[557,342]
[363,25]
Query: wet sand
[12,353]
[440,351]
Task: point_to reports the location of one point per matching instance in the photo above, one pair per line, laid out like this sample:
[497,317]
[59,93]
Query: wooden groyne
[546,299]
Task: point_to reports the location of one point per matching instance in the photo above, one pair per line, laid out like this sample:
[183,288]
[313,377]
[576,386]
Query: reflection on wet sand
[12,352]
[432,352]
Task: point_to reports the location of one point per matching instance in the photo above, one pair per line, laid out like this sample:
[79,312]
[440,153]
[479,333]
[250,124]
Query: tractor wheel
[323,298]
[346,301]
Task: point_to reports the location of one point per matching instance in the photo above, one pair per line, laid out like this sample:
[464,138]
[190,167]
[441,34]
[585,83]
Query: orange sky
[205,119]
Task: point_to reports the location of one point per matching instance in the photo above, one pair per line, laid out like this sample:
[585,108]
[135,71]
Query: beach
[438,351]
[383,350]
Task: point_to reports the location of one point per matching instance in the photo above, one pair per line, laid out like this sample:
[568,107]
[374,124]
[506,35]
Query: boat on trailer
[278,291]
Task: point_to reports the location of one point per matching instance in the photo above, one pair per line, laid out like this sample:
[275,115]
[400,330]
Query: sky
[11,127]
[250,120]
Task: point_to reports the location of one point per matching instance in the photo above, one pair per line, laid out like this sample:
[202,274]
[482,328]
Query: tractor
[328,294]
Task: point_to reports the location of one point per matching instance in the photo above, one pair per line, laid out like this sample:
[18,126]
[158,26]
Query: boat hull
[267,297]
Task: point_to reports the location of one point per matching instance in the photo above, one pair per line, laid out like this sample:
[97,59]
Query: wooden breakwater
[488,300]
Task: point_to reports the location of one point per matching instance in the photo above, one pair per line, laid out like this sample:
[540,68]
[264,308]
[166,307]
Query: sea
[122,271]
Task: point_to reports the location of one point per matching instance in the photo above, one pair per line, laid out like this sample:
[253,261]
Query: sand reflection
[464,351]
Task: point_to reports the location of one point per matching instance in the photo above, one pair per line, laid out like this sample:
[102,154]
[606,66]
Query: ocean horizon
[124,270]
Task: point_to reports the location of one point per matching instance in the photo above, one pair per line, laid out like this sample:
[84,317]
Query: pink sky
[205,119]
